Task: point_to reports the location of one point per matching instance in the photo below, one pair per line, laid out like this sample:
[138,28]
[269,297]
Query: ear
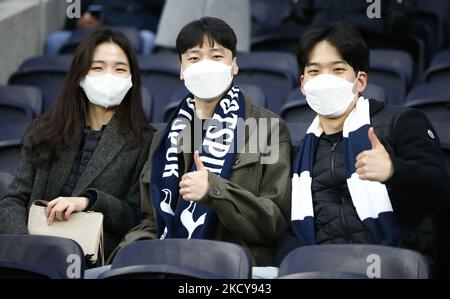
[234,67]
[181,72]
[302,82]
[362,82]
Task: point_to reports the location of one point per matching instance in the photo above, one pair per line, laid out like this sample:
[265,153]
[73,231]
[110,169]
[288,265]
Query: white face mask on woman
[329,95]
[106,90]
[207,79]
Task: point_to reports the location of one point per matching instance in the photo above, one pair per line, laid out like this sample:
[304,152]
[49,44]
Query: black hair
[216,30]
[347,40]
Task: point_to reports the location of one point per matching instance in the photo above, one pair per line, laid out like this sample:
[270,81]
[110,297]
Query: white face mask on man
[207,79]
[329,95]
[106,90]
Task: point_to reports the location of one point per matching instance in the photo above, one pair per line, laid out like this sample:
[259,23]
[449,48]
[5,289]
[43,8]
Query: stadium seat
[71,44]
[181,258]
[34,256]
[433,99]
[27,95]
[255,93]
[147,103]
[47,73]
[10,155]
[439,70]
[161,75]
[12,112]
[370,261]
[275,73]
[392,70]
[5,181]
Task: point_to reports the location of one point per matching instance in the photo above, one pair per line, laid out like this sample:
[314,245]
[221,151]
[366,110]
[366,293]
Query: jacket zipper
[333,173]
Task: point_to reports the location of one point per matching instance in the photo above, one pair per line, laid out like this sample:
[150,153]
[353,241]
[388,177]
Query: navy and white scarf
[187,219]
[371,199]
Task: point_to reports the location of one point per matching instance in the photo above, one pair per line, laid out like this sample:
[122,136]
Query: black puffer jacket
[419,186]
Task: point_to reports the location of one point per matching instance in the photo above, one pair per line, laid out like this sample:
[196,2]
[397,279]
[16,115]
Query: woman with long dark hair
[87,151]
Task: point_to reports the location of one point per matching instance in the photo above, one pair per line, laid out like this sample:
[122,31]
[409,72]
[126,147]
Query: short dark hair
[216,30]
[347,40]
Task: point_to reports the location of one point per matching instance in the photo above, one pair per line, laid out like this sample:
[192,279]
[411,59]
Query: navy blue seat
[181,258]
[392,70]
[33,256]
[77,36]
[5,181]
[439,70]
[26,95]
[255,93]
[10,155]
[298,131]
[47,73]
[344,261]
[433,99]
[147,103]
[161,75]
[275,73]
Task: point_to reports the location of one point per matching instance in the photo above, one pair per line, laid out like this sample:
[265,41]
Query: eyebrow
[115,63]
[331,63]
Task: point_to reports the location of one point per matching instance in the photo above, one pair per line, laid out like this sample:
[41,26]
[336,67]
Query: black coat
[418,188]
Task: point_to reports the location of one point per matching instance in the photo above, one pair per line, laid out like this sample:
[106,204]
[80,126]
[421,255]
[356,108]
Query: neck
[336,125]
[205,109]
[98,116]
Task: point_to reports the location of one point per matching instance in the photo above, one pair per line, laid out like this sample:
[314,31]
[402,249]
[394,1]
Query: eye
[313,72]
[339,69]
[217,57]
[192,59]
[121,70]
[96,68]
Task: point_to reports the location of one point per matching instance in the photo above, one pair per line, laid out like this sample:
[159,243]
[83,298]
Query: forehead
[208,45]
[324,52]
[109,52]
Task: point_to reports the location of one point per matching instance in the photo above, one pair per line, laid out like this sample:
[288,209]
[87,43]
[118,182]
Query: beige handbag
[86,228]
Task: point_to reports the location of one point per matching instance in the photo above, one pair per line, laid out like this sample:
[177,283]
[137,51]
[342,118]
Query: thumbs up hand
[195,185]
[375,164]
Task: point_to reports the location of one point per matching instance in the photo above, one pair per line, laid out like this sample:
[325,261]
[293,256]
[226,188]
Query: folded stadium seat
[12,112]
[5,181]
[279,39]
[159,126]
[255,93]
[181,258]
[147,103]
[439,70]
[297,131]
[274,72]
[46,73]
[393,70]
[78,35]
[354,261]
[433,99]
[433,14]
[33,256]
[10,155]
[27,95]
[161,75]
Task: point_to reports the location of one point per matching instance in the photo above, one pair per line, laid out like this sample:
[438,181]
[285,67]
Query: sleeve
[14,204]
[120,215]
[419,175]
[256,219]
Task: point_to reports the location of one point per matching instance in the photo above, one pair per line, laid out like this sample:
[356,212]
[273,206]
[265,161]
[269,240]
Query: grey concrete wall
[24,25]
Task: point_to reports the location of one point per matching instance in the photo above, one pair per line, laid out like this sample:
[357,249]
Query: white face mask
[106,90]
[207,79]
[328,95]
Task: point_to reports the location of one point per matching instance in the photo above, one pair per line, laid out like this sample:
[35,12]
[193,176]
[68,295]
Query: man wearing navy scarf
[366,172]
[198,182]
